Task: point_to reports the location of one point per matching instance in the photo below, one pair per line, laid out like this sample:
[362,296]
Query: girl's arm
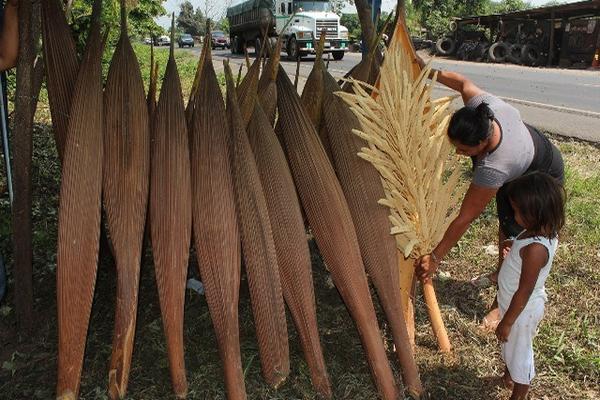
[454,81]
[534,257]
[9,41]
[475,201]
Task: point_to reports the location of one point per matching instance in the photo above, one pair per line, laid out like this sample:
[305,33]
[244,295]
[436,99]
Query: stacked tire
[445,46]
[498,52]
[531,55]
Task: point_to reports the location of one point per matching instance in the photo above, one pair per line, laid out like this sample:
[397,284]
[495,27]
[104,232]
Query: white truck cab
[304,31]
[250,20]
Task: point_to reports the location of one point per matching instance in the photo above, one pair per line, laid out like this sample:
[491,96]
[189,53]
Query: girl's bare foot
[507,380]
[491,320]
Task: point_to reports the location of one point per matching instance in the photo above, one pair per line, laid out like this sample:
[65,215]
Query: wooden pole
[23,144]
[407,291]
[551,52]
[435,317]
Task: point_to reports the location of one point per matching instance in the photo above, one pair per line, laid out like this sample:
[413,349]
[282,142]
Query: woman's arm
[9,41]
[534,257]
[454,81]
[475,201]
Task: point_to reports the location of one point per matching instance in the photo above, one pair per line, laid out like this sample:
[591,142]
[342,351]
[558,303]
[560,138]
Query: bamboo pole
[407,291]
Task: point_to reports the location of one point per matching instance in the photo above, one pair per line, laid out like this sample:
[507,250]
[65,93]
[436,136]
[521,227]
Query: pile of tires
[472,51]
[527,54]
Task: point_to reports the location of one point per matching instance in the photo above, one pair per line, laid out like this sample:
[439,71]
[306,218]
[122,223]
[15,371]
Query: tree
[337,6]
[223,25]
[140,19]
[351,22]
[506,6]
[190,21]
[435,15]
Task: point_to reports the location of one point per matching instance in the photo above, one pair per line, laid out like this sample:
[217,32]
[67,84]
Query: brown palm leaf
[151,99]
[62,65]
[312,95]
[267,89]
[171,211]
[246,91]
[363,189]
[327,211]
[126,177]
[291,246]
[79,214]
[215,224]
[260,257]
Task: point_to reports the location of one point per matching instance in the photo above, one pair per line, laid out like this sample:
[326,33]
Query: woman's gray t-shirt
[513,155]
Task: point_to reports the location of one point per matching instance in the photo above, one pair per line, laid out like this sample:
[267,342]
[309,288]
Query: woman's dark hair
[471,125]
[540,199]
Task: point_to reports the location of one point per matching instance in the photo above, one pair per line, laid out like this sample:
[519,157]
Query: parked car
[219,39]
[147,40]
[186,40]
[162,41]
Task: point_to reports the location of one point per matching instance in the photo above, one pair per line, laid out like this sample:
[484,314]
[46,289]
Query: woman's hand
[426,266]
[503,330]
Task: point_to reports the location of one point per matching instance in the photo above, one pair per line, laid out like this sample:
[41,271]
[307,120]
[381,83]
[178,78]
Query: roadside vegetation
[568,346]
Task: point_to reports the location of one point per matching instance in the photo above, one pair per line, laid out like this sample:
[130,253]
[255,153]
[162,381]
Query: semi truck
[252,20]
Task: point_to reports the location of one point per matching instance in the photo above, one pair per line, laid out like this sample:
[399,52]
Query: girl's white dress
[517,352]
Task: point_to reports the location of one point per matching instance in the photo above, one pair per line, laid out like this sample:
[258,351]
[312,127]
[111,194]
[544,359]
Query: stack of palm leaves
[406,133]
[331,223]
[234,184]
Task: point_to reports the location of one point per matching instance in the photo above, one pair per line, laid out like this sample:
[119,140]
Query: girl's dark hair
[540,199]
[471,125]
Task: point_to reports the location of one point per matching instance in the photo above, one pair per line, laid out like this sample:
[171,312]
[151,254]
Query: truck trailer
[252,20]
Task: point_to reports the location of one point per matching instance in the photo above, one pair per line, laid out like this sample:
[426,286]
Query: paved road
[565,102]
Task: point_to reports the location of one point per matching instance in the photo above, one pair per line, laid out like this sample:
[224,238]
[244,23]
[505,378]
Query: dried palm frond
[246,91]
[312,95]
[151,99]
[267,89]
[327,211]
[367,70]
[189,110]
[293,255]
[258,248]
[171,214]
[79,214]
[215,224]
[406,131]
[363,188]
[126,177]
[62,65]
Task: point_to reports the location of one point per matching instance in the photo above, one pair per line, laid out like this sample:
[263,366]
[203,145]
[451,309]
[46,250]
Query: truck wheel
[292,49]
[338,55]
[531,55]
[498,52]
[514,54]
[445,46]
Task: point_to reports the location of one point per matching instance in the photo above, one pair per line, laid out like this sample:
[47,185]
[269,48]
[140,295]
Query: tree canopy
[191,21]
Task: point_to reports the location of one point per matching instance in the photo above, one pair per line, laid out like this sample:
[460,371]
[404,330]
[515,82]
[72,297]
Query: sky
[173,6]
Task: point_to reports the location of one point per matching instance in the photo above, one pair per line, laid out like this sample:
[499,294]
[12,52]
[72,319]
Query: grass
[567,347]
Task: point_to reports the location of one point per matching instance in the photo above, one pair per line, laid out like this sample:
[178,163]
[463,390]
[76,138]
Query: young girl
[538,202]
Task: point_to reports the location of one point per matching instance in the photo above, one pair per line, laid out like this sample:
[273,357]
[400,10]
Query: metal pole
[5,143]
